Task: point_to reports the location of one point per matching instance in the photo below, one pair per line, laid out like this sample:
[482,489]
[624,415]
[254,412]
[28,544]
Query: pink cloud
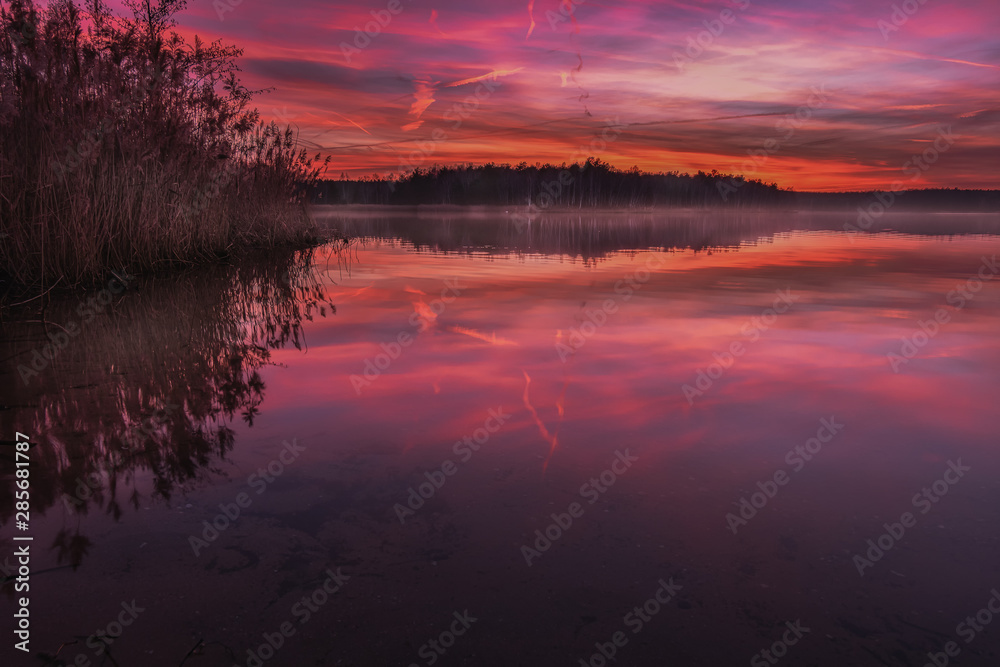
[562,70]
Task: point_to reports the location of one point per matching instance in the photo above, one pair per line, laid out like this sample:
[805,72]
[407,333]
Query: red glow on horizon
[537,82]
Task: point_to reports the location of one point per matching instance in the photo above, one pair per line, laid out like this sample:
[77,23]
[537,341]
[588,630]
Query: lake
[670,438]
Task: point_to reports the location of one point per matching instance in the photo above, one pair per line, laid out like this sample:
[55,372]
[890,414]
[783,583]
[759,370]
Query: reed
[124,146]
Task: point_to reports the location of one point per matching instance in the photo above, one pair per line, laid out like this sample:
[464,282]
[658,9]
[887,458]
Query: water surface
[637,376]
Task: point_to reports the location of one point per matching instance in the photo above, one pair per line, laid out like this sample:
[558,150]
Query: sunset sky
[557,77]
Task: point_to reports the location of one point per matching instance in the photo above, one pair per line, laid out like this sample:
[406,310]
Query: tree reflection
[139,403]
[592,236]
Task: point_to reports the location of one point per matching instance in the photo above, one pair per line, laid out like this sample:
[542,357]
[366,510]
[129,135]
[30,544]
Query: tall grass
[122,145]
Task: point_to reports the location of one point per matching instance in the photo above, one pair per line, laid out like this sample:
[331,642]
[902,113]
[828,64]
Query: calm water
[667,438]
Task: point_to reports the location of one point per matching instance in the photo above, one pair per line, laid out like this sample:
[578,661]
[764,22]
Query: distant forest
[599,184]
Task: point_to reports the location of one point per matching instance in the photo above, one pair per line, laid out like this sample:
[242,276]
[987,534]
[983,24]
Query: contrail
[489,75]
[704,120]
[492,339]
[352,123]
[924,56]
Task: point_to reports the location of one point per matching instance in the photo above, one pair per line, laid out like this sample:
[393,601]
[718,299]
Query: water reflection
[140,398]
[594,234]
[166,392]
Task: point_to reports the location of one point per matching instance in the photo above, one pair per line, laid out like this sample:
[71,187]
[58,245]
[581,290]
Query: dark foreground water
[688,440]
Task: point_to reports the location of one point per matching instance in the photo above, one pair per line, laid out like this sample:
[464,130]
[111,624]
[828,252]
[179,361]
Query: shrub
[124,146]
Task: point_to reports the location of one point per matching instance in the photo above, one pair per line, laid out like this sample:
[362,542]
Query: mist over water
[542,427]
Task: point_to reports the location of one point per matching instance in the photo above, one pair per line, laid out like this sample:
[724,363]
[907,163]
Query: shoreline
[494,209]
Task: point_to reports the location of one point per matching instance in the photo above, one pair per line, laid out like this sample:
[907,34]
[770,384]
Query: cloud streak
[941,67]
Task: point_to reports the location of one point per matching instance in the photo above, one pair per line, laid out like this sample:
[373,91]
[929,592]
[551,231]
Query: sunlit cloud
[538,87]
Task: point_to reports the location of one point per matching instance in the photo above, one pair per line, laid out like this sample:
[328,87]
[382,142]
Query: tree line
[595,183]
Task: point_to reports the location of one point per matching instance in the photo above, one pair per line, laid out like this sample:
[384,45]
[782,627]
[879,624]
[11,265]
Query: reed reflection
[139,402]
